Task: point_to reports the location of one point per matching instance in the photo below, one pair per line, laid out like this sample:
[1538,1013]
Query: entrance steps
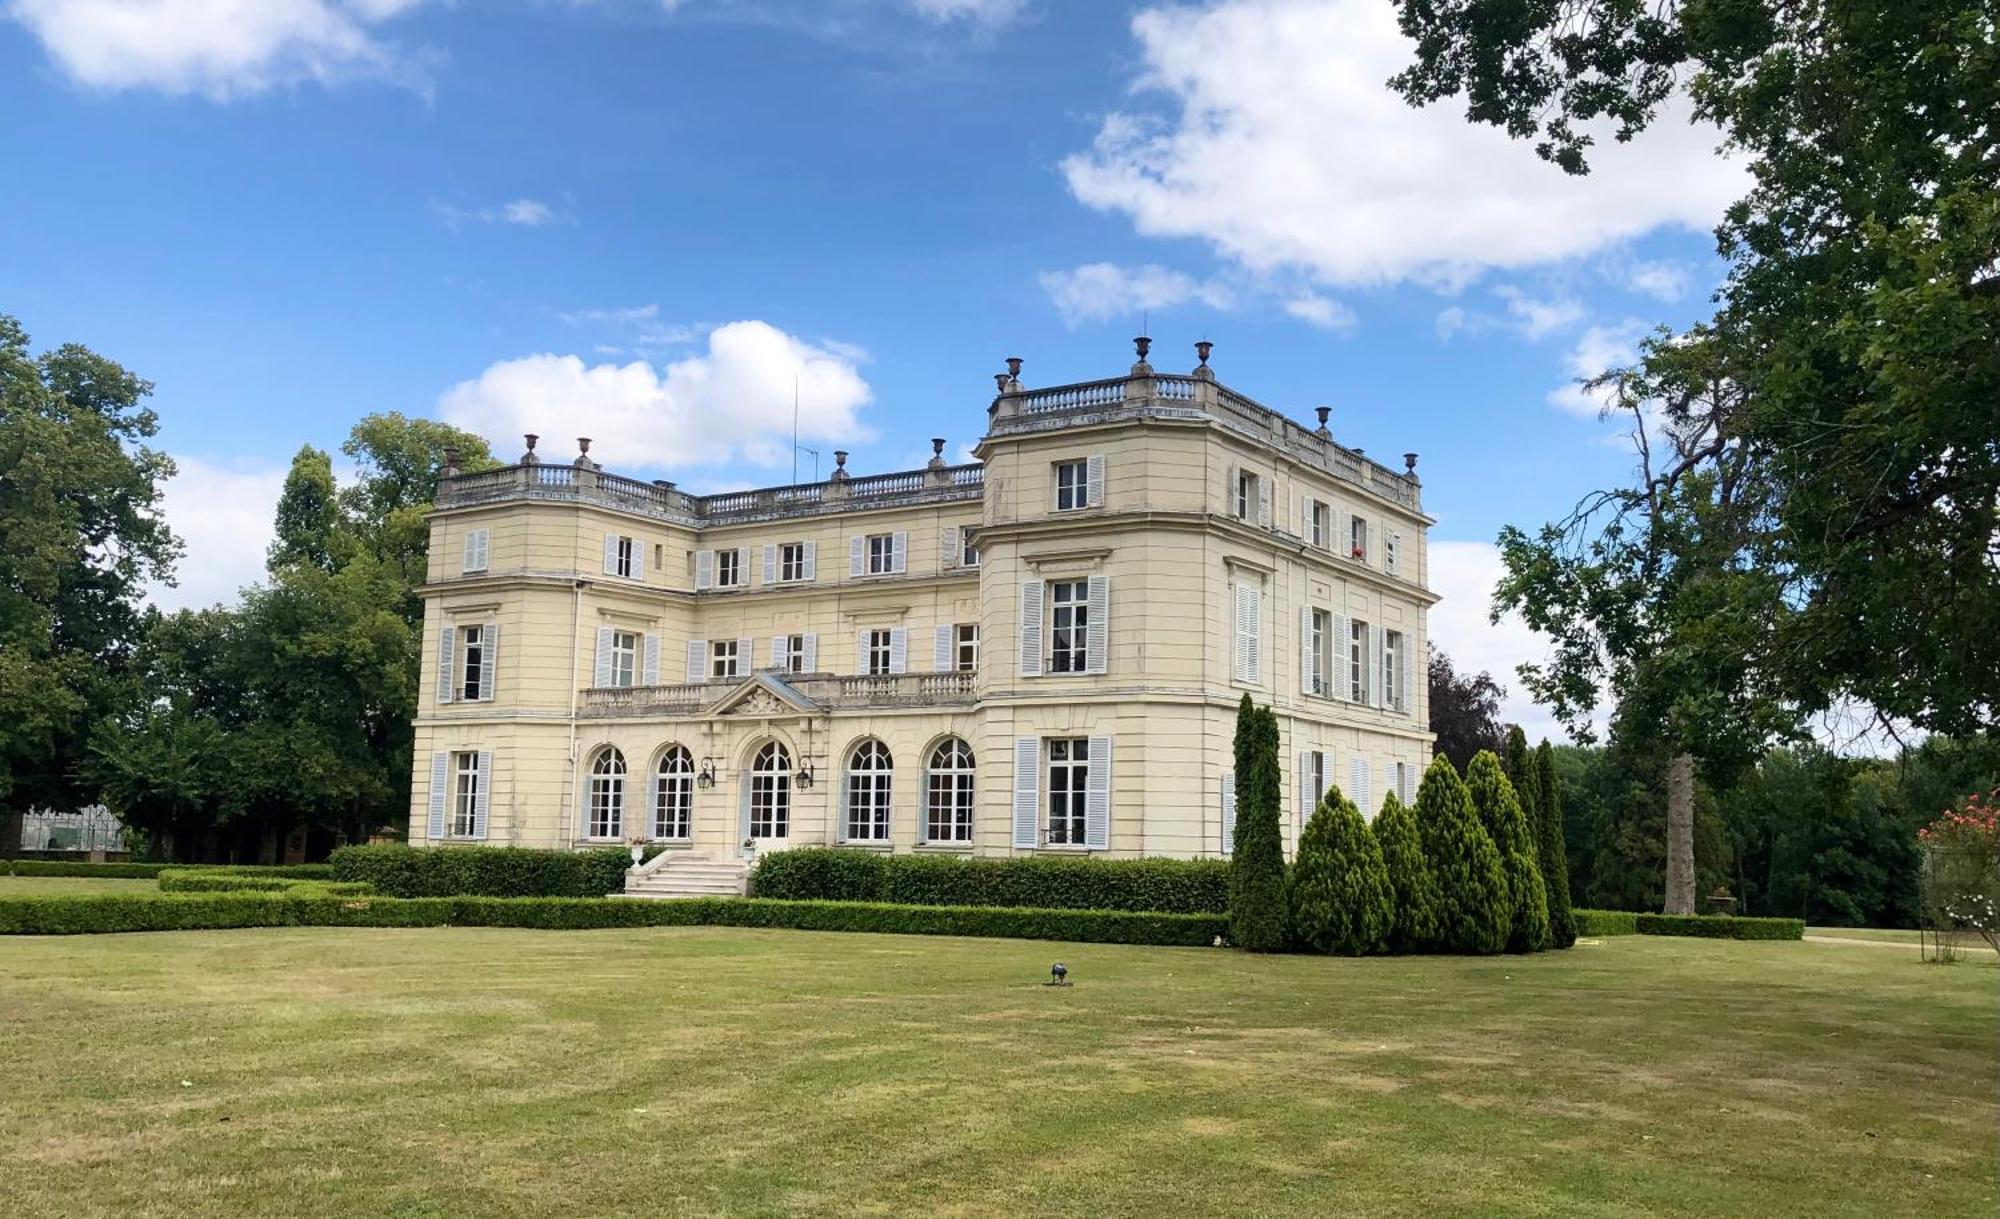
[673,874]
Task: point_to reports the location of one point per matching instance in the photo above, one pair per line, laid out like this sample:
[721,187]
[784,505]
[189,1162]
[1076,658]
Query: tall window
[795,653]
[880,650]
[673,806]
[948,793]
[625,558]
[472,675]
[792,561]
[1392,669]
[1322,652]
[722,658]
[624,658]
[607,794]
[1072,485]
[1357,537]
[869,771]
[881,553]
[464,795]
[1246,496]
[965,647]
[969,550]
[1321,527]
[1390,557]
[1069,617]
[1069,779]
[771,792]
[728,568]
[1357,662]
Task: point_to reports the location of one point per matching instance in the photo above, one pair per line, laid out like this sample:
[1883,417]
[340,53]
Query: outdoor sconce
[805,776]
[707,776]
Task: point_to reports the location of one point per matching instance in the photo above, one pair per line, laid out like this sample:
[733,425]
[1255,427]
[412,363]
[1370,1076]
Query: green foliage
[1413,889]
[96,914]
[148,871]
[1338,891]
[1464,710]
[469,871]
[1553,853]
[1720,927]
[1257,915]
[1499,810]
[1606,922]
[1177,886]
[1474,914]
[308,527]
[219,880]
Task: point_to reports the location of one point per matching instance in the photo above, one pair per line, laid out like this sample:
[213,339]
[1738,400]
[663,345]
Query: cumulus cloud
[992,13]
[222,513]
[730,401]
[1098,291]
[1597,350]
[218,48]
[1321,311]
[1663,280]
[528,213]
[1279,143]
[1464,574]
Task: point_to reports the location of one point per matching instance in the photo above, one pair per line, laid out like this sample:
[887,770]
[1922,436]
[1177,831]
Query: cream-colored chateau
[1040,652]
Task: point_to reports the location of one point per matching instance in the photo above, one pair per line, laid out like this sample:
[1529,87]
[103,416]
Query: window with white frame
[729,568]
[881,650]
[464,795]
[1392,669]
[1357,537]
[473,659]
[673,795]
[792,561]
[1069,626]
[624,558]
[1320,652]
[606,798]
[1319,524]
[1247,494]
[771,792]
[1391,552]
[1402,776]
[869,774]
[1069,783]
[948,790]
[965,647]
[624,658]
[881,554]
[1072,485]
[795,653]
[723,660]
[968,550]
[1357,661]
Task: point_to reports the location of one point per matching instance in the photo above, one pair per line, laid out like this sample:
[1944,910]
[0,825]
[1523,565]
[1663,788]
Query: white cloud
[1537,319]
[223,514]
[1450,321]
[1663,280]
[1097,291]
[1599,349]
[1464,575]
[732,401]
[1287,151]
[991,13]
[1320,311]
[641,328]
[531,212]
[217,48]
[528,213]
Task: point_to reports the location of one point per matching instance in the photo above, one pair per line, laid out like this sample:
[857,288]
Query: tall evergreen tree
[1413,890]
[1554,852]
[1257,856]
[1473,911]
[1338,889]
[1499,809]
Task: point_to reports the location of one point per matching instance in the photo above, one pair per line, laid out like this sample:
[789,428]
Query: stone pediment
[765,696]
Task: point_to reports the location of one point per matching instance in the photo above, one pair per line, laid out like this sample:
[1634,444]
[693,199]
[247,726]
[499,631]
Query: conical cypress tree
[1257,855]
[1554,852]
[1500,812]
[1473,914]
[1412,888]
[1519,765]
[1338,889]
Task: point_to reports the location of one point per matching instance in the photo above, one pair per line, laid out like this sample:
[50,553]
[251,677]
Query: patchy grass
[330,1072]
[67,886]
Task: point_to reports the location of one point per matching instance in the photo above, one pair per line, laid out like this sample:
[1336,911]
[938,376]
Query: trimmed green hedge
[148,871]
[185,880]
[1170,886]
[1722,926]
[90,914]
[469,871]
[1605,922]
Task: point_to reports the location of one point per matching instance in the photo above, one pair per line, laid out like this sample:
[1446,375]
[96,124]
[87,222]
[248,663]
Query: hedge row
[1170,886]
[469,871]
[187,880]
[148,871]
[1722,926]
[89,914]
[1606,922]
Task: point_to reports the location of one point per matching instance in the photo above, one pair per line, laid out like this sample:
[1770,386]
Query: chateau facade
[1040,652]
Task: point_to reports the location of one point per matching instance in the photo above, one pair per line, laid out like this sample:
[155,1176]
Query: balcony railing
[828,691]
[661,499]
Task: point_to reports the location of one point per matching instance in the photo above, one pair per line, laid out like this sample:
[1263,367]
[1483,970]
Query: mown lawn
[482,1072]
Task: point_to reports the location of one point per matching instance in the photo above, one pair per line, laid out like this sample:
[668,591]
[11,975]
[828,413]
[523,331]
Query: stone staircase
[673,874]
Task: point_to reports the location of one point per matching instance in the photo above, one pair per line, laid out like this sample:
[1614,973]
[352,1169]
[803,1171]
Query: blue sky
[641,220]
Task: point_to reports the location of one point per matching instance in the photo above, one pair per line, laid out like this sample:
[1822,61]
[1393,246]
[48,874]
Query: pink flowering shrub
[1962,868]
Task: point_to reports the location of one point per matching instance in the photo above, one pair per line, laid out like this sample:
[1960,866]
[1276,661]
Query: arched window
[607,794]
[869,770]
[673,794]
[771,792]
[948,793]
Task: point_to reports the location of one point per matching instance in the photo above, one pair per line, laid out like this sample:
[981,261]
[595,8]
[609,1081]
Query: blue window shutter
[1027,792]
[899,649]
[481,801]
[856,554]
[697,660]
[1097,796]
[440,779]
